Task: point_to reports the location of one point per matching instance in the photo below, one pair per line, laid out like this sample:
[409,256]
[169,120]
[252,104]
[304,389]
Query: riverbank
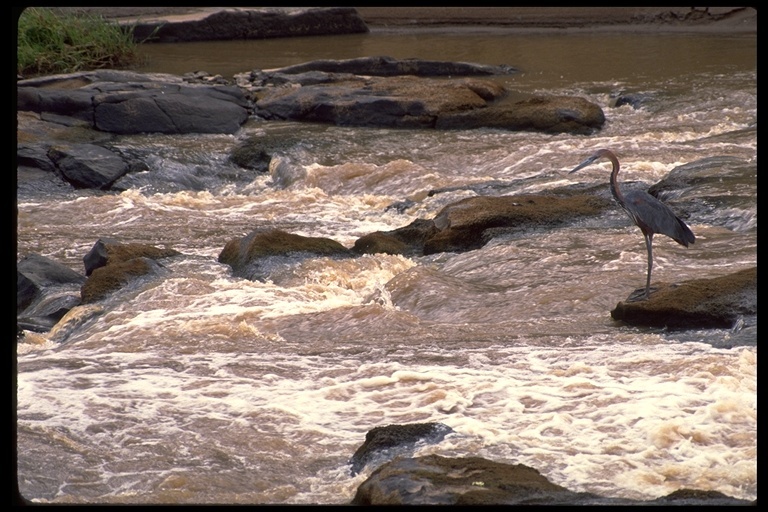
[715,19]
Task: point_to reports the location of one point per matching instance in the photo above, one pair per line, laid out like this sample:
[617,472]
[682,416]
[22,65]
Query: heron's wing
[656,217]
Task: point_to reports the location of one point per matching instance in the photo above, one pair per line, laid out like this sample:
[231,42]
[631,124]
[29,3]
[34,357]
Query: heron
[648,213]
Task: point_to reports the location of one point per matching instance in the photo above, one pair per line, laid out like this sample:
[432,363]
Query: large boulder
[108,251]
[388,441]
[89,165]
[408,240]
[250,23]
[469,224]
[437,480]
[551,114]
[257,254]
[45,291]
[386,92]
[126,102]
[111,265]
[387,66]
[718,302]
[103,281]
[425,103]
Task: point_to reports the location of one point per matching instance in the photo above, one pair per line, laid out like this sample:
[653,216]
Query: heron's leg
[649,246]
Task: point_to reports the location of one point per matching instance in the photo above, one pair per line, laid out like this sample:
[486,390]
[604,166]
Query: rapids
[204,388]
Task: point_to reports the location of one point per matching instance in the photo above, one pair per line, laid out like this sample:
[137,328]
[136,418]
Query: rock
[74,320]
[107,251]
[549,114]
[384,92]
[45,291]
[379,242]
[103,281]
[89,165]
[436,480]
[228,24]
[697,304]
[257,254]
[389,441]
[408,240]
[126,102]
[387,66]
[463,225]
[256,152]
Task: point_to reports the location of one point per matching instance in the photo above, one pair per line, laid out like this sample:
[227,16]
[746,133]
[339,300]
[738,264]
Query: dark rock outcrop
[45,291]
[387,66]
[108,251]
[388,441]
[408,240]
[111,265]
[106,280]
[464,225]
[436,480]
[89,165]
[125,102]
[384,92]
[549,114]
[229,24]
[696,304]
[257,254]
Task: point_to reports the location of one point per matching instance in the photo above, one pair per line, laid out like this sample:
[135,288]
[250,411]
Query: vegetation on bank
[50,42]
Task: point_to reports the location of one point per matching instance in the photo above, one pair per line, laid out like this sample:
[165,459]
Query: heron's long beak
[584,163]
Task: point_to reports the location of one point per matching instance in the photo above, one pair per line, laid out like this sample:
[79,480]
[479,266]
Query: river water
[204,388]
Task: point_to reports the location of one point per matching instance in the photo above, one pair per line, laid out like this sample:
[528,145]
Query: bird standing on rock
[648,213]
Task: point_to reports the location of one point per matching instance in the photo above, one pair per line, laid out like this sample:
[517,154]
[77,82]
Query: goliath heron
[648,213]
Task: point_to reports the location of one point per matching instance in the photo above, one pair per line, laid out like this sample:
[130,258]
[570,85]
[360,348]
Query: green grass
[51,42]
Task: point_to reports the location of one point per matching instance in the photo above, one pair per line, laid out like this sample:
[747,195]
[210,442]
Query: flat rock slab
[437,480]
[697,304]
[411,93]
[220,24]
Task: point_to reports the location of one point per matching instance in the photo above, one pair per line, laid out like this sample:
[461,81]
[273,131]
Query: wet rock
[549,114]
[45,291]
[384,92]
[436,480]
[103,281]
[408,240]
[256,151]
[74,320]
[689,188]
[89,165]
[634,100]
[257,254]
[379,242]
[387,66]
[697,304]
[108,251]
[386,442]
[229,24]
[126,102]
[462,225]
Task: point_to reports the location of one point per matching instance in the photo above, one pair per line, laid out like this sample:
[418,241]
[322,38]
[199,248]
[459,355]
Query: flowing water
[204,388]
